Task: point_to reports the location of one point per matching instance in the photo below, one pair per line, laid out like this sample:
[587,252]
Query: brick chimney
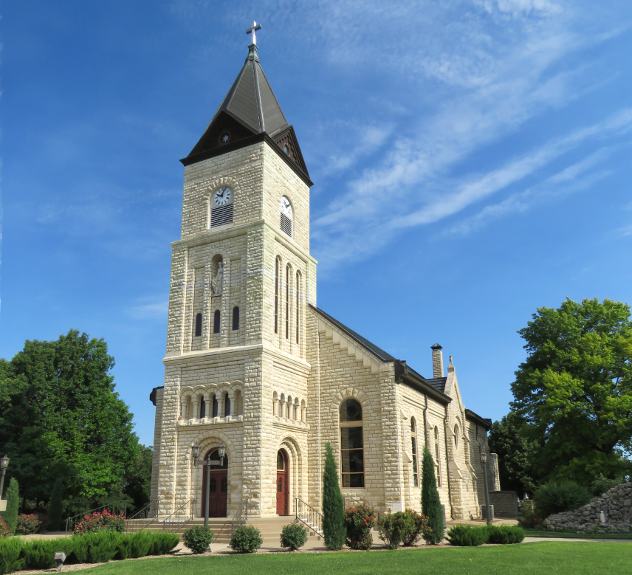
[437,360]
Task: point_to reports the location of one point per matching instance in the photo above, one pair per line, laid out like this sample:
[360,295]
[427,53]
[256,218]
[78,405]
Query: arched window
[202,408]
[437,464]
[198,325]
[216,321]
[298,305]
[222,207]
[275,403]
[413,441]
[215,405]
[235,318]
[288,407]
[456,437]
[288,279]
[287,215]
[351,444]
[226,405]
[277,292]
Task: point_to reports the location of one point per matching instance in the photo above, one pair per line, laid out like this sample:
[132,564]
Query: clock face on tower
[222,197]
[286,207]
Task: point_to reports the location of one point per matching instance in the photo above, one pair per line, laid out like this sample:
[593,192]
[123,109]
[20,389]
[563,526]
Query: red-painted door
[218,488]
[282,484]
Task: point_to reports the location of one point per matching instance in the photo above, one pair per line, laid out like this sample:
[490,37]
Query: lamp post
[488,515]
[207,463]
[4,463]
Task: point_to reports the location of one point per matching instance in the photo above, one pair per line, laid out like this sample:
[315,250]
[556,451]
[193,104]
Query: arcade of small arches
[288,407]
[211,404]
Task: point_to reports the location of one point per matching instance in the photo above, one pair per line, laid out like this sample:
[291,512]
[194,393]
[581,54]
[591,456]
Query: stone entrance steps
[270,528]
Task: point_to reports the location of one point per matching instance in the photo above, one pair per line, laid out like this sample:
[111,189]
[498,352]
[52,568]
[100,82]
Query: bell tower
[241,279]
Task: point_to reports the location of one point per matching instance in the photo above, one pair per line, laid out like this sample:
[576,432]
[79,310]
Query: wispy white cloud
[149,308]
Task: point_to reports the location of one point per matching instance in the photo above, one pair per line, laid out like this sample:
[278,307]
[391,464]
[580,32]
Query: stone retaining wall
[608,513]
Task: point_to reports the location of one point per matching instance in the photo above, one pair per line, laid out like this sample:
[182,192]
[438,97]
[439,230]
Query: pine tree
[56,506]
[430,502]
[333,504]
[13,504]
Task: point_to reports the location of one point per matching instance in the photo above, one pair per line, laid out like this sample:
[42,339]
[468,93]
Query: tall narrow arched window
[437,454]
[217,321]
[226,405]
[298,288]
[222,207]
[235,318]
[198,325]
[351,444]
[413,441]
[215,406]
[202,408]
[277,292]
[456,437]
[288,279]
[287,215]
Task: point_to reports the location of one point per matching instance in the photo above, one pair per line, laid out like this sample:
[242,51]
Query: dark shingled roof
[250,113]
[486,423]
[438,383]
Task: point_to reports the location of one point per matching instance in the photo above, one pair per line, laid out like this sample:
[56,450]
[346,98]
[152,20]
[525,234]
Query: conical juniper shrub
[431,503]
[333,505]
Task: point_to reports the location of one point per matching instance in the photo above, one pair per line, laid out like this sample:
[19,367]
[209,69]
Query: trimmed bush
[162,543]
[95,547]
[431,503]
[333,504]
[359,520]
[390,526]
[40,554]
[246,539]
[10,555]
[415,525]
[198,539]
[13,504]
[504,534]
[293,536]
[558,496]
[467,536]
[27,523]
[100,520]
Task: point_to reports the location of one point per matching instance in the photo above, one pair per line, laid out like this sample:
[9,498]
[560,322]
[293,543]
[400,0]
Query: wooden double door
[218,486]
[283,483]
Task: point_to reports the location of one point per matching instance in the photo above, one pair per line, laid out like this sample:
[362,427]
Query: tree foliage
[61,418]
[430,501]
[508,438]
[333,504]
[574,390]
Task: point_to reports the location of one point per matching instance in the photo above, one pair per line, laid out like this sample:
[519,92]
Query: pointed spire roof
[250,112]
[251,99]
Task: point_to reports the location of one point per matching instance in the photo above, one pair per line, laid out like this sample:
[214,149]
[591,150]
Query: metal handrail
[172,519]
[70,521]
[309,516]
[145,512]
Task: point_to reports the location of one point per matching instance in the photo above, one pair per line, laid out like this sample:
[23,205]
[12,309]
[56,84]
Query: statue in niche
[217,280]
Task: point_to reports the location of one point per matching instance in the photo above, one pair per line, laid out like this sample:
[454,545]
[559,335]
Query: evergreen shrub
[293,536]
[431,503]
[13,504]
[333,504]
[504,534]
[10,555]
[246,539]
[557,496]
[198,539]
[467,536]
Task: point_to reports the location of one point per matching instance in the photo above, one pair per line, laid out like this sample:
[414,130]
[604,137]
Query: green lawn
[575,535]
[550,558]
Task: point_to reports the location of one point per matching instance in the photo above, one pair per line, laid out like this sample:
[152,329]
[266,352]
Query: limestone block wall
[608,513]
[241,170]
[155,459]
[435,416]
[280,180]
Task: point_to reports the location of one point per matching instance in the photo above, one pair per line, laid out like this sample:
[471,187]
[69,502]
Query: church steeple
[250,112]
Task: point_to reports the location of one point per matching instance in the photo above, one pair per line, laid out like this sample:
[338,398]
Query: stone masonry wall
[608,513]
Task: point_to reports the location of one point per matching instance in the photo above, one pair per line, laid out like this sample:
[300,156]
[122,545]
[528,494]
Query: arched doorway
[283,483]
[218,487]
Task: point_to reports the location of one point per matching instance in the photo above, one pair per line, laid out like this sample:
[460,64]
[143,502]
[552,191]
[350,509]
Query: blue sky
[471,160]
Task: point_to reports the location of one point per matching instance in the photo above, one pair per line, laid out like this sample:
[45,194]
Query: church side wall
[155,458]
[435,417]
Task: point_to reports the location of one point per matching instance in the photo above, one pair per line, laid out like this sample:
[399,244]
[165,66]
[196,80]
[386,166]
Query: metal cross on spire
[253,30]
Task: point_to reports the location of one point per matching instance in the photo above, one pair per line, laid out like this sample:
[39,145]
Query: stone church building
[254,368]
